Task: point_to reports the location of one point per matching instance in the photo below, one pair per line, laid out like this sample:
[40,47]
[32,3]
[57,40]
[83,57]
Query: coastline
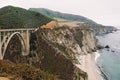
[102,73]
[92,68]
[88,64]
[97,55]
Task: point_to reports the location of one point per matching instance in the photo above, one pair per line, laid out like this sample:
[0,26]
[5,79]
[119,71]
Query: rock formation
[55,50]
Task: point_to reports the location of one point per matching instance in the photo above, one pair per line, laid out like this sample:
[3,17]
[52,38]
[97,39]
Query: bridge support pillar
[1,56]
[27,45]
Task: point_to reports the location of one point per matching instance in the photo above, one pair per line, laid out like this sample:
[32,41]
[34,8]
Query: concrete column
[27,42]
[25,50]
[1,56]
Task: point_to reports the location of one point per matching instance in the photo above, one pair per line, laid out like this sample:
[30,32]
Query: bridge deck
[23,29]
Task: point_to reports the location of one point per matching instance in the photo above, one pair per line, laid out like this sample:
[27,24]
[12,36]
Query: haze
[106,12]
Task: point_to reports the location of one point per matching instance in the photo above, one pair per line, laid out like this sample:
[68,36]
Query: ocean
[109,60]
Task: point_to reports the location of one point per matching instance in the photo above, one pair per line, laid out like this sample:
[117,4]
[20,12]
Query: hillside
[14,17]
[55,14]
[98,28]
[19,71]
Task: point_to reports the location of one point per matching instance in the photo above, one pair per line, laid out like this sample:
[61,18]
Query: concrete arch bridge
[7,34]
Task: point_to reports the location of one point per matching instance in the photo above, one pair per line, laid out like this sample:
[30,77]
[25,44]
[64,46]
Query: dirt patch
[4,78]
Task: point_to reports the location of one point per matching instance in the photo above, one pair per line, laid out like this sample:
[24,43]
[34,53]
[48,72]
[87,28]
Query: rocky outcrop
[89,41]
[104,29]
[73,41]
[57,57]
[59,48]
[98,29]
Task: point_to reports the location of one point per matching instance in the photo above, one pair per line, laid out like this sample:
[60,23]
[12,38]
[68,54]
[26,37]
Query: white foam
[97,55]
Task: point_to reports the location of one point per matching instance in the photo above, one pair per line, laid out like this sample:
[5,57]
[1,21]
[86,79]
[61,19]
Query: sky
[106,12]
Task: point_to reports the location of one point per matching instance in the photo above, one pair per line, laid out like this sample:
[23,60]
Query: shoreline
[97,55]
[88,64]
[92,68]
[102,73]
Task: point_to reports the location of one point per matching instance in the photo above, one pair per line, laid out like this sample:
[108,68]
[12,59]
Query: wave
[100,71]
[103,73]
[97,55]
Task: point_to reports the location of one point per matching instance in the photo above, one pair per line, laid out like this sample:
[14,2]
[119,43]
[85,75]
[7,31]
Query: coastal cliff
[59,48]
[56,51]
[69,41]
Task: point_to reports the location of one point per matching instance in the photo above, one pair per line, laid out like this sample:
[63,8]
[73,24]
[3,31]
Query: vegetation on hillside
[17,71]
[98,28]
[14,17]
[55,14]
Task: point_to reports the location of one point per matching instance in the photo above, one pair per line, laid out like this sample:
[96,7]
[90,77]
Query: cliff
[60,47]
[73,41]
[56,51]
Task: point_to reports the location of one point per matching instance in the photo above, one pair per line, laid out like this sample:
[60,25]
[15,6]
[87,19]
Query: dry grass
[70,23]
[19,71]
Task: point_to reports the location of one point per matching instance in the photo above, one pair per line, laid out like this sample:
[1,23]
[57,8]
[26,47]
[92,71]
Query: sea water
[109,60]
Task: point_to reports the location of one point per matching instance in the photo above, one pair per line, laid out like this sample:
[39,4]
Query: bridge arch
[8,39]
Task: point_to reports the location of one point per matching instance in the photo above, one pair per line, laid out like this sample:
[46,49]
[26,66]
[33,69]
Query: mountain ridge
[55,14]
[98,28]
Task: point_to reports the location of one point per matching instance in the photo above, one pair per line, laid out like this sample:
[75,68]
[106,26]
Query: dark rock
[107,46]
[93,50]
[112,51]
[99,47]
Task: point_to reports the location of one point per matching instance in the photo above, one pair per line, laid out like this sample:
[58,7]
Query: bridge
[7,34]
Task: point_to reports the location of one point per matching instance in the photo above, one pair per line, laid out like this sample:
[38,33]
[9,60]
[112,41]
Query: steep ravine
[55,51]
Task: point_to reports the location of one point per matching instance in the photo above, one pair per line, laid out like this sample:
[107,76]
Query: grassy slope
[23,72]
[14,17]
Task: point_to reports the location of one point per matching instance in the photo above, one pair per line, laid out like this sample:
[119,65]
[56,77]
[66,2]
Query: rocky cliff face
[97,28]
[56,50]
[59,48]
[104,29]
[70,41]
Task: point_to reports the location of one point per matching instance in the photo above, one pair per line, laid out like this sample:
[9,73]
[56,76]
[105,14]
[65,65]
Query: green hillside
[14,17]
[98,28]
[55,14]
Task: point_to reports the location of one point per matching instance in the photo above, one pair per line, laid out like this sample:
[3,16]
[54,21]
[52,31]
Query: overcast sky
[105,12]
